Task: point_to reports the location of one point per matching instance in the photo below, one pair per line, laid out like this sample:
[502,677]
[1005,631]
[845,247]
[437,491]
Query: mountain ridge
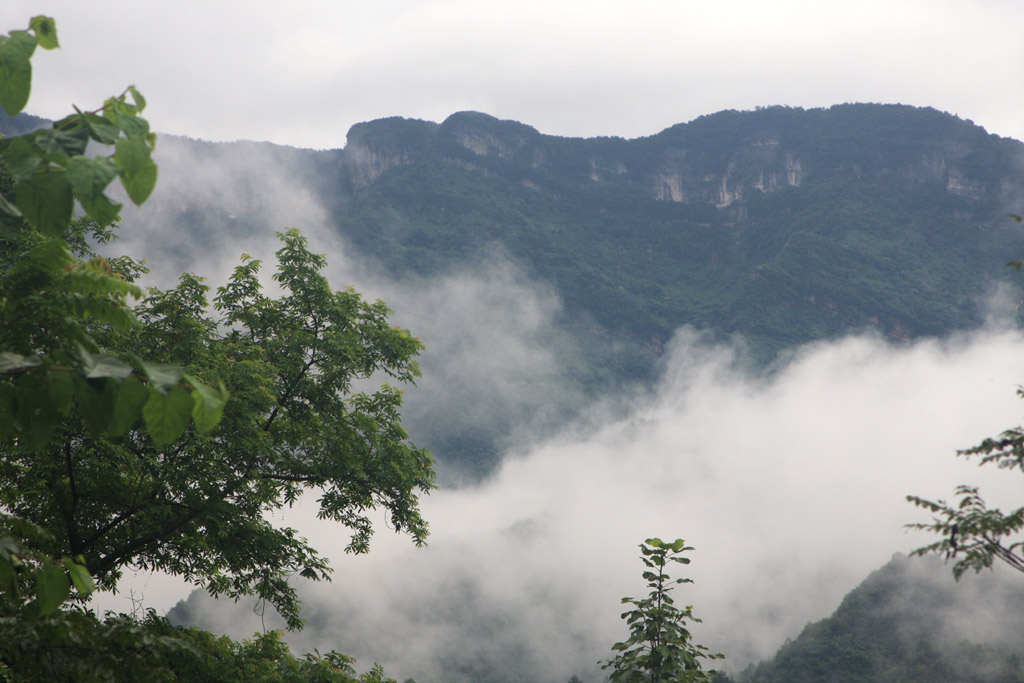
[909,621]
[668,162]
[781,226]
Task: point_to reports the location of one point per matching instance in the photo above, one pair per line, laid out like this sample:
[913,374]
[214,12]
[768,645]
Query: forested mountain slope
[779,226]
[910,621]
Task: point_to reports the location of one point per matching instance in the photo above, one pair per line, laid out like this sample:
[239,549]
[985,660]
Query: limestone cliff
[719,160]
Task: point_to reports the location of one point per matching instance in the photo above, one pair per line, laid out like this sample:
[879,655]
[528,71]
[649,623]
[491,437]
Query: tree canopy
[119,445]
[194,504]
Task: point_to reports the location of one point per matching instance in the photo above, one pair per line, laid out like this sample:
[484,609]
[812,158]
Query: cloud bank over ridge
[790,487]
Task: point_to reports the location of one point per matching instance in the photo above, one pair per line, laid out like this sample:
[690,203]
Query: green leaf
[95,402]
[19,43]
[22,159]
[70,142]
[167,415]
[46,200]
[100,129]
[62,393]
[15,70]
[102,210]
[79,576]
[138,172]
[132,394]
[134,127]
[676,546]
[105,365]
[207,404]
[12,362]
[140,101]
[89,178]
[52,588]
[45,29]
[163,376]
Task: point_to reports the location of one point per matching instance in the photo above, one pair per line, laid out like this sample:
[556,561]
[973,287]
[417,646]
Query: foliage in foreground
[660,646]
[195,507]
[118,446]
[52,367]
[122,648]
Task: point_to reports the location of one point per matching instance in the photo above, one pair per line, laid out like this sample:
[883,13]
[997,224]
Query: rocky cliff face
[703,162]
[762,166]
[376,147]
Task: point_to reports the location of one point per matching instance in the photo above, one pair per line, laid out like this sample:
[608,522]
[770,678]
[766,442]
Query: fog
[790,482]
[791,489]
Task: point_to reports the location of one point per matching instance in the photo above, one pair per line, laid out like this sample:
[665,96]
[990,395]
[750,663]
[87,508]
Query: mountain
[779,226]
[909,621]
[783,225]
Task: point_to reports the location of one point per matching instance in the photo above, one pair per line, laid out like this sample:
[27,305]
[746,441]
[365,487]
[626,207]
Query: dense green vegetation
[869,235]
[909,622]
[74,645]
[848,219]
[119,446]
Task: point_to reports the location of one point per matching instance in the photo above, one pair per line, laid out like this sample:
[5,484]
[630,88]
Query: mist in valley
[789,481]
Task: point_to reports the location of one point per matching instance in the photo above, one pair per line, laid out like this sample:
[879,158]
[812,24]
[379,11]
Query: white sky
[301,73]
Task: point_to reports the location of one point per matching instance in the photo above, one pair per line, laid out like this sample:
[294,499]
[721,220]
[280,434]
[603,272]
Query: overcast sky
[301,73]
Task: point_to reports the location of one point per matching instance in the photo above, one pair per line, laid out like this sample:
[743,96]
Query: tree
[50,363]
[108,451]
[660,647]
[78,647]
[196,506]
[158,494]
[109,443]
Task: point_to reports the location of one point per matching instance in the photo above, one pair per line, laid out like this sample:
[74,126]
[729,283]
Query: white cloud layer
[303,73]
[791,488]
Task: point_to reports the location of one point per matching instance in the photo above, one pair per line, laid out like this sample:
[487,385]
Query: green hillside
[780,225]
[910,622]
